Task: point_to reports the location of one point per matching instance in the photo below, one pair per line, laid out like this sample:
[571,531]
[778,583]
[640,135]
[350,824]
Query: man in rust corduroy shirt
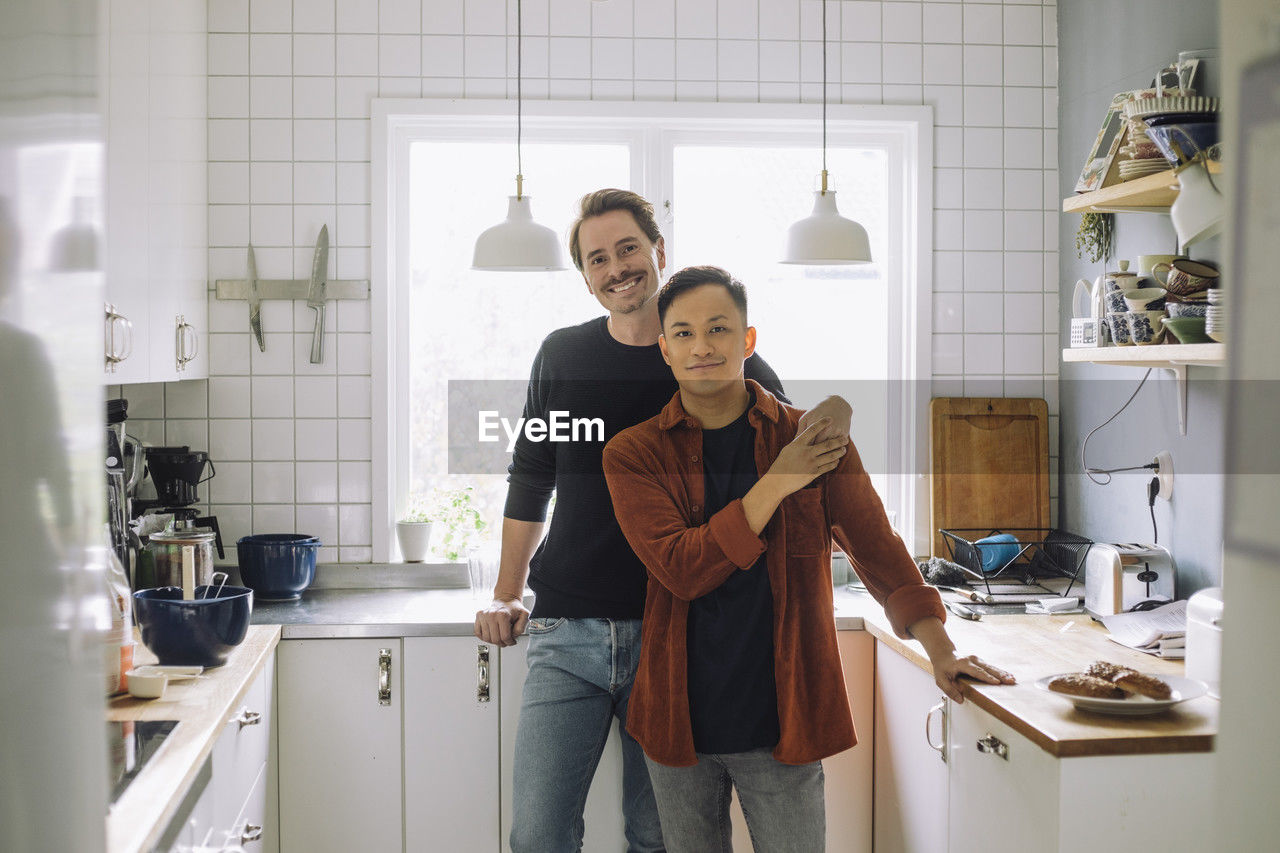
[732,509]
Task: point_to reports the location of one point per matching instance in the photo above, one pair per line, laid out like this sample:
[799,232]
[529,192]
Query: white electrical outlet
[1164,473]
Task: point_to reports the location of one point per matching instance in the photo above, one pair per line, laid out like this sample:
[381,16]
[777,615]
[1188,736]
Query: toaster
[1118,576]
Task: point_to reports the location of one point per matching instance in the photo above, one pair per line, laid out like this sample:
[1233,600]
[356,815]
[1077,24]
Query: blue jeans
[783,803]
[579,680]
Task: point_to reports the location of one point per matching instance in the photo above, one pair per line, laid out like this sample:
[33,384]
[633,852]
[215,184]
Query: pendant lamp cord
[824,95]
[519,97]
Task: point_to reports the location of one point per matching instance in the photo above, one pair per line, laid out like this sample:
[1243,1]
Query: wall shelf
[1149,194]
[1175,358]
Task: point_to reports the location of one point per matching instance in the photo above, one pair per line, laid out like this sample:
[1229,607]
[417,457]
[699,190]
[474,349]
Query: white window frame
[905,132]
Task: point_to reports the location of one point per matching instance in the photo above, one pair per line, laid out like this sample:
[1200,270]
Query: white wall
[289,91]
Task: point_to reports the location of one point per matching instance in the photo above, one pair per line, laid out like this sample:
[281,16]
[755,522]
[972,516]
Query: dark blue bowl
[199,632]
[1190,137]
[277,566]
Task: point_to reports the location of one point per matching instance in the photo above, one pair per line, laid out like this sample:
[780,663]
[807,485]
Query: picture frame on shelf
[1097,166]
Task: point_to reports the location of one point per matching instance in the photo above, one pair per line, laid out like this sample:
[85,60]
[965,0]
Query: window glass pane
[467,324]
[822,329]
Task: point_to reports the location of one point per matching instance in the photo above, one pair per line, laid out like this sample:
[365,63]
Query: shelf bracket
[1178,372]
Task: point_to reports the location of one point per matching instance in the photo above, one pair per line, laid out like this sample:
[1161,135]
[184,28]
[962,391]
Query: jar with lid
[162,561]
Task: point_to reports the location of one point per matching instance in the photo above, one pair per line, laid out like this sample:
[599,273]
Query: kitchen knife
[255,303]
[315,297]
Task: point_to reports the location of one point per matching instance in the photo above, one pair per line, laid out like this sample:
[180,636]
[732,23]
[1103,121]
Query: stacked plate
[1175,125]
[1142,156]
[1215,325]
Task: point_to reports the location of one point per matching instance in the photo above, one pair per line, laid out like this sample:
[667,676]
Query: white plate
[173,673]
[1183,689]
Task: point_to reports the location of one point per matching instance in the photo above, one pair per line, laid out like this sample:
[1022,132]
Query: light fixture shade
[518,244]
[1198,210]
[826,237]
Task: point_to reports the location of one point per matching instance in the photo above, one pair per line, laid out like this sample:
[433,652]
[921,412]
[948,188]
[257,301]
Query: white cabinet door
[603,812]
[1003,788]
[910,775]
[450,744]
[340,707]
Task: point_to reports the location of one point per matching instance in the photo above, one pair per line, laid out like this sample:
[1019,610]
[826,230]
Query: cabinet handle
[941,747]
[117,350]
[384,676]
[994,746]
[184,332]
[482,664]
[252,832]
[249,718]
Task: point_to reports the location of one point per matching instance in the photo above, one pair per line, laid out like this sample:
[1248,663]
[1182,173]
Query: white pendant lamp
[825,237]
[518,244]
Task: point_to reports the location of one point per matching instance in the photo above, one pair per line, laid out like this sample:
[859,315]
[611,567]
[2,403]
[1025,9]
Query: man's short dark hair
[601,202]
[690,277]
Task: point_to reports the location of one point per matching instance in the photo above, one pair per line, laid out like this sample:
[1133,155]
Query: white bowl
[146,685]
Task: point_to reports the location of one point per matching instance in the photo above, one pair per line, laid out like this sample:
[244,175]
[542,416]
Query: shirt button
[694,457]
[697,508]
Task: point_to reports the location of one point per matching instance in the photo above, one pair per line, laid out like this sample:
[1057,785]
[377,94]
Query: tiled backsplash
[290,85]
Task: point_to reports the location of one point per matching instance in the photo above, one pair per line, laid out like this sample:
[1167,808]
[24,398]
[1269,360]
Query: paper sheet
[1144,630]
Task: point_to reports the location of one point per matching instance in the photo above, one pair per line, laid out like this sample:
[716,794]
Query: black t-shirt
[733,701]
[584,567]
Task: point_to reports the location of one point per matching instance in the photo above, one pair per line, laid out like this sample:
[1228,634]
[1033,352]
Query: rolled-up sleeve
[688,560]
[861,528]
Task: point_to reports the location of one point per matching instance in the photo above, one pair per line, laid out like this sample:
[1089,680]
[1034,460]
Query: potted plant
[413,532]
[460,521]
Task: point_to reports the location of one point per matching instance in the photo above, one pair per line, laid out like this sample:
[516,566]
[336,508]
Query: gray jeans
[783,803]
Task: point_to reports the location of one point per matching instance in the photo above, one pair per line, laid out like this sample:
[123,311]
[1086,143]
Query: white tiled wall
[290,83]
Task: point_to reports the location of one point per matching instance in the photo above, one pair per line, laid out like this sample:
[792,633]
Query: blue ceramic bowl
[1202,133]
[997,551]
[277,566]
[199,632]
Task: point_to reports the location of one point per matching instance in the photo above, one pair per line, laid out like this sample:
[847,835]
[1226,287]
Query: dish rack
[1042,553]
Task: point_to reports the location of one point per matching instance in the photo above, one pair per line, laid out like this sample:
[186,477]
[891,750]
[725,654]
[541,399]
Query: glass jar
[169,549]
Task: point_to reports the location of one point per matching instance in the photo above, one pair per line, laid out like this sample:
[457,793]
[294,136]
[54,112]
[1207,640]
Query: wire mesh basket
[1022,555]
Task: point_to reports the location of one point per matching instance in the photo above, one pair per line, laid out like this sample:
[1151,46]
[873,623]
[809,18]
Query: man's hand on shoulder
[502,621]
[804,459]
[840,413]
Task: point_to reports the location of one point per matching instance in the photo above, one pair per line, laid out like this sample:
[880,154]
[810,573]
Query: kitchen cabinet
[156,320]
[603,811]
[341,707]
[910,765]
[954,777]
[451,762]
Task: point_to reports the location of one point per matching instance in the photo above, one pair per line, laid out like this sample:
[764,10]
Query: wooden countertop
[1033,646]
[202,706]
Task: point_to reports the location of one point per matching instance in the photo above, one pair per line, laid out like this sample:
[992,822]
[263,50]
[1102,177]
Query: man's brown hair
[603,201]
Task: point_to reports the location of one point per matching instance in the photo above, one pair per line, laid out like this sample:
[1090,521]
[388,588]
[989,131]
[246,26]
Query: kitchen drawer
[241,750]
[244,831]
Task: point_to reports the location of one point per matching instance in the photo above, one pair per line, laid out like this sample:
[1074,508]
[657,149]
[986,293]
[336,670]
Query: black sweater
[584,567]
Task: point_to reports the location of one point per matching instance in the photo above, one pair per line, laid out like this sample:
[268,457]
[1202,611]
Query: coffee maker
[176,473]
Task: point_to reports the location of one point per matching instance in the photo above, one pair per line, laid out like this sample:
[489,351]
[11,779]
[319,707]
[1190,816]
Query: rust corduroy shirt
[655,477]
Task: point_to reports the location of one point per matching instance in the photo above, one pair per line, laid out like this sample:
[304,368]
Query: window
[727,181]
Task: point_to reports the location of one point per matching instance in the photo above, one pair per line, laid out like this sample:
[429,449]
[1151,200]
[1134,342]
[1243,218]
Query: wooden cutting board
[988,464]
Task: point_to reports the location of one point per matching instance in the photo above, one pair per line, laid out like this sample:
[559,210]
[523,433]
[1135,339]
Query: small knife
[315,296]
[255,303]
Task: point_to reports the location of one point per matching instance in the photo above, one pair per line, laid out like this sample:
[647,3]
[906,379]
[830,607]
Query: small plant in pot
[450,511]
[413,532]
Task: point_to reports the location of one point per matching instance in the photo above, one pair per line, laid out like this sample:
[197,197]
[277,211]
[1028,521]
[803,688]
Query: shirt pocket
[805,523]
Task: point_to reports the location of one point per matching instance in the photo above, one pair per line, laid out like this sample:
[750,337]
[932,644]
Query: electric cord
[1153,489]
[1084,447]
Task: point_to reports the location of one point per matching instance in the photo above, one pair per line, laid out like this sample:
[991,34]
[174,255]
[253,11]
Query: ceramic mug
[1145,327]
[1156,266]
[1116,303]
[1187,276]
[1118,323]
